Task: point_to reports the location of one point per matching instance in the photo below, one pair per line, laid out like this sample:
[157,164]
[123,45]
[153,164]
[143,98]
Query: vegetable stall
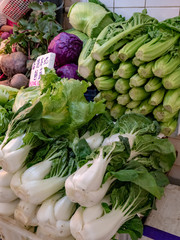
[78,169]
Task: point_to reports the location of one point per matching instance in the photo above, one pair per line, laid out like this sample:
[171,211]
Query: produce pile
[134,63]
[70,168]
[70,172]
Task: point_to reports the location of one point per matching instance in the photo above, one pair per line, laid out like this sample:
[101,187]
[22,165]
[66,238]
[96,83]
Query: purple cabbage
[68,71]
[67,48]
[5,35]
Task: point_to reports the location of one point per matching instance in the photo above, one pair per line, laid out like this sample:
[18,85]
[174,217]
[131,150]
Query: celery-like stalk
[126,70]
[129,50]
[172,100]
[137,81]
[115,74]
[155,48]
[122,85]
[117,111]
[104,83]
[166,65]
[104,67]
[109,104]
[114,57]
[123,99]
[133,104]
[172,81]
[138,94]
[109,95]
[162,115]
[145,108]
[153,84]
[86,64]
[137,62]
[157,97]
[145,70]
[167,128]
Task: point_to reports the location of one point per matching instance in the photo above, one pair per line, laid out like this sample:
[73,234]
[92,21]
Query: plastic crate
[14,9]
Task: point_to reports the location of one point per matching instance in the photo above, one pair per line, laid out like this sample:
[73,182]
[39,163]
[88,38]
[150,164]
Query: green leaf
[133,227]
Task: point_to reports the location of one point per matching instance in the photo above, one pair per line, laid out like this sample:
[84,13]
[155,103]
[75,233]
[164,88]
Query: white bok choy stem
[22,135]
[13,154]
[7,209]
[54,215]
[6,193]
[44,178]
[85,185]
[5,178]
[25,213]
[103,225]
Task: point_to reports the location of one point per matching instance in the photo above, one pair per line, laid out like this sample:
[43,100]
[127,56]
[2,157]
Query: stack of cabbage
[71,172]
[135,64]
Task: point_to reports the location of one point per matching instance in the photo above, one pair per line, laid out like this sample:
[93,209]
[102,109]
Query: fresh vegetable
[103,220]
[123,99]
[126,70]
[167,128]
[109,104]
[172,100]
[156,47]
[13,63]
[22,136]
[145,108]
[109,95]
[7,209]
[122,85]
[138,94]
[25,95]
[114,57]
[157,97]
[65,108]
[46,174]
[137,81]
[117,111]
[67,48]
[79,34]
[68,71]
[153,84]
[137,62]
[104,67]
[133,104]
[166,65]
[115,34]
[162,115]
[54,215]
[129,50]
[19,80]
[104,83]
[7,93]
[4,120]
[115,74]
[145,70]
[5,35]
[82,18]
[86,64]
[172,80]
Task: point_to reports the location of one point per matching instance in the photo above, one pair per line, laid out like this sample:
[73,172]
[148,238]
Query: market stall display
[79,169]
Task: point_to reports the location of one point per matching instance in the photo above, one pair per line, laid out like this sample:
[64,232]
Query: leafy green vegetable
[32,36]
[65,107]
[167,128]
[157,97]
[138,93]
[122,85]
[104,83]
[81,17]
[172,80]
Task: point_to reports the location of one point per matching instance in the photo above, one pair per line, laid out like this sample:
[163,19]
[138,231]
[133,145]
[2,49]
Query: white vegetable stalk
[30,186]
[7,209]
[94,141]
[54,214]
[25,213]
[13,155]
[5,178]
[99,226]
[6,193]
[115,138]
[86,182]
